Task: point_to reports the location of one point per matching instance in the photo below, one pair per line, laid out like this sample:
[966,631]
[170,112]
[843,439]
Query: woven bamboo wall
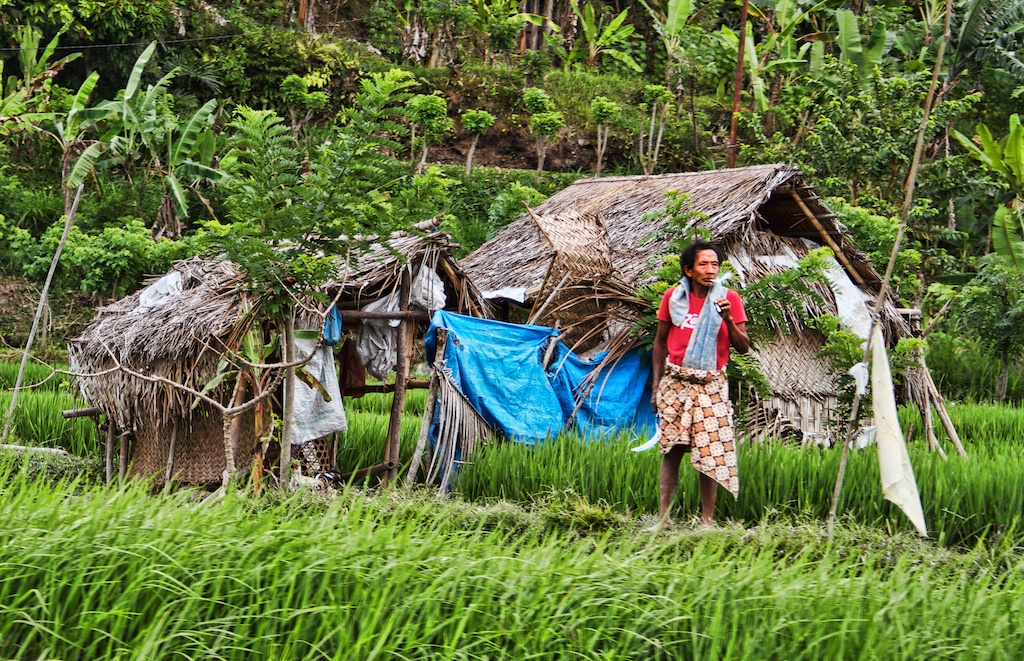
[199,451]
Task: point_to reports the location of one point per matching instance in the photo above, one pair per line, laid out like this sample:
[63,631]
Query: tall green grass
[35,373]
[978,425]
[91,574]
[963,500]
[38,421]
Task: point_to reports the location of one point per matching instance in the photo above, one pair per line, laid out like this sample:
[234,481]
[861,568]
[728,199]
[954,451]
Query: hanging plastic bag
[428,290]
[332,327]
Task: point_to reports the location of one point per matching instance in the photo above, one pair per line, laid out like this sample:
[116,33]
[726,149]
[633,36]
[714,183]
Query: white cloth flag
[898,483]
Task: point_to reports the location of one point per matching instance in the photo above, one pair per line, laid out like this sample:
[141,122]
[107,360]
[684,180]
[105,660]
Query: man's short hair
[689,256]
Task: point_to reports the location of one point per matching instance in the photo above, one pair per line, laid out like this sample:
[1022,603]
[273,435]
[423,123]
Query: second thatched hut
[604,236]
[180,328]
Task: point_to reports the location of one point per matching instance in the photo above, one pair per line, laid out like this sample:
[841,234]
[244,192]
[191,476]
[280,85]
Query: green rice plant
[363,444]
[375,402]
[964,501]
[35,373]
[38,422]
[94,573]
[983,425]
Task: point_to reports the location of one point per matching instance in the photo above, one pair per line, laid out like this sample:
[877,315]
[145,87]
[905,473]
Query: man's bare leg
[669,482]
[708,491]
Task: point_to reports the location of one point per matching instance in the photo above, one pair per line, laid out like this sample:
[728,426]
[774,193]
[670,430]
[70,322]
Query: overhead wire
[131,44]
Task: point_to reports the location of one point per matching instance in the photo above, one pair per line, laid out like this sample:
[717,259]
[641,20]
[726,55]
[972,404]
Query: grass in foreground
[90,573]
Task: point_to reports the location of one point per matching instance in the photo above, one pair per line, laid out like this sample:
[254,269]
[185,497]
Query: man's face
[704,270]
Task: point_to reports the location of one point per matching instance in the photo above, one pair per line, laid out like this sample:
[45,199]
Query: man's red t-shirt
[679,338]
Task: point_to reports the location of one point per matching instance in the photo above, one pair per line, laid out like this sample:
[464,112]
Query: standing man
[691,391]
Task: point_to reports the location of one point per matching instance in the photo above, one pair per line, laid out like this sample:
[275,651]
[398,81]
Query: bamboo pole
[828,239]
[82,413]
[411,384]
[929,428]
[940,409]
[39,313]
[908,200]
[401,379]
[428,419]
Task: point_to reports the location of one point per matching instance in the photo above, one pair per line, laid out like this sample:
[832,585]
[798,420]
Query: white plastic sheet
[377,341]
[898,483]
[160,292]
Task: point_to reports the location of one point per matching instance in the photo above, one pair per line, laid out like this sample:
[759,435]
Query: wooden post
[335,440]
[122,467]
[289,403]
[170,452]
[110,450]
[405,328]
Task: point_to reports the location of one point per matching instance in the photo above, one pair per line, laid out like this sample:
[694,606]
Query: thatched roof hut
[184,340]
[764,217]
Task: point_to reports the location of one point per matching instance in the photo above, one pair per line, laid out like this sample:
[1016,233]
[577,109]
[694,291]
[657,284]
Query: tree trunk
[737,90]
[423,156]
[602,137]
[1004,379]
[693,118]
[541,153]
[469,156]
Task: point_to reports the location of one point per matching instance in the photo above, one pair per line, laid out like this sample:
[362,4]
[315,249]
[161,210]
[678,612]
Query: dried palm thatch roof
[762,216]
[185,339]
[182,341]
[376,272]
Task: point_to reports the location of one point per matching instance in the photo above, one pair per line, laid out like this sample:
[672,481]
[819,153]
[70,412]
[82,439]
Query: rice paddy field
[538,553]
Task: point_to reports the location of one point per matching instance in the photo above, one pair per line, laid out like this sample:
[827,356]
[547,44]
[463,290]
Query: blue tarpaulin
[499,368]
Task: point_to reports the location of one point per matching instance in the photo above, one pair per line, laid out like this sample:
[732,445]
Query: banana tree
[864,52]
[597,38]
[180,154]
[70,133]
[991,32]
[670,25]
[1005,159]
[758,63]
[20,98]
[36,68]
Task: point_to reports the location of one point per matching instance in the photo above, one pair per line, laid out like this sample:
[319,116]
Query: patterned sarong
[696,412]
